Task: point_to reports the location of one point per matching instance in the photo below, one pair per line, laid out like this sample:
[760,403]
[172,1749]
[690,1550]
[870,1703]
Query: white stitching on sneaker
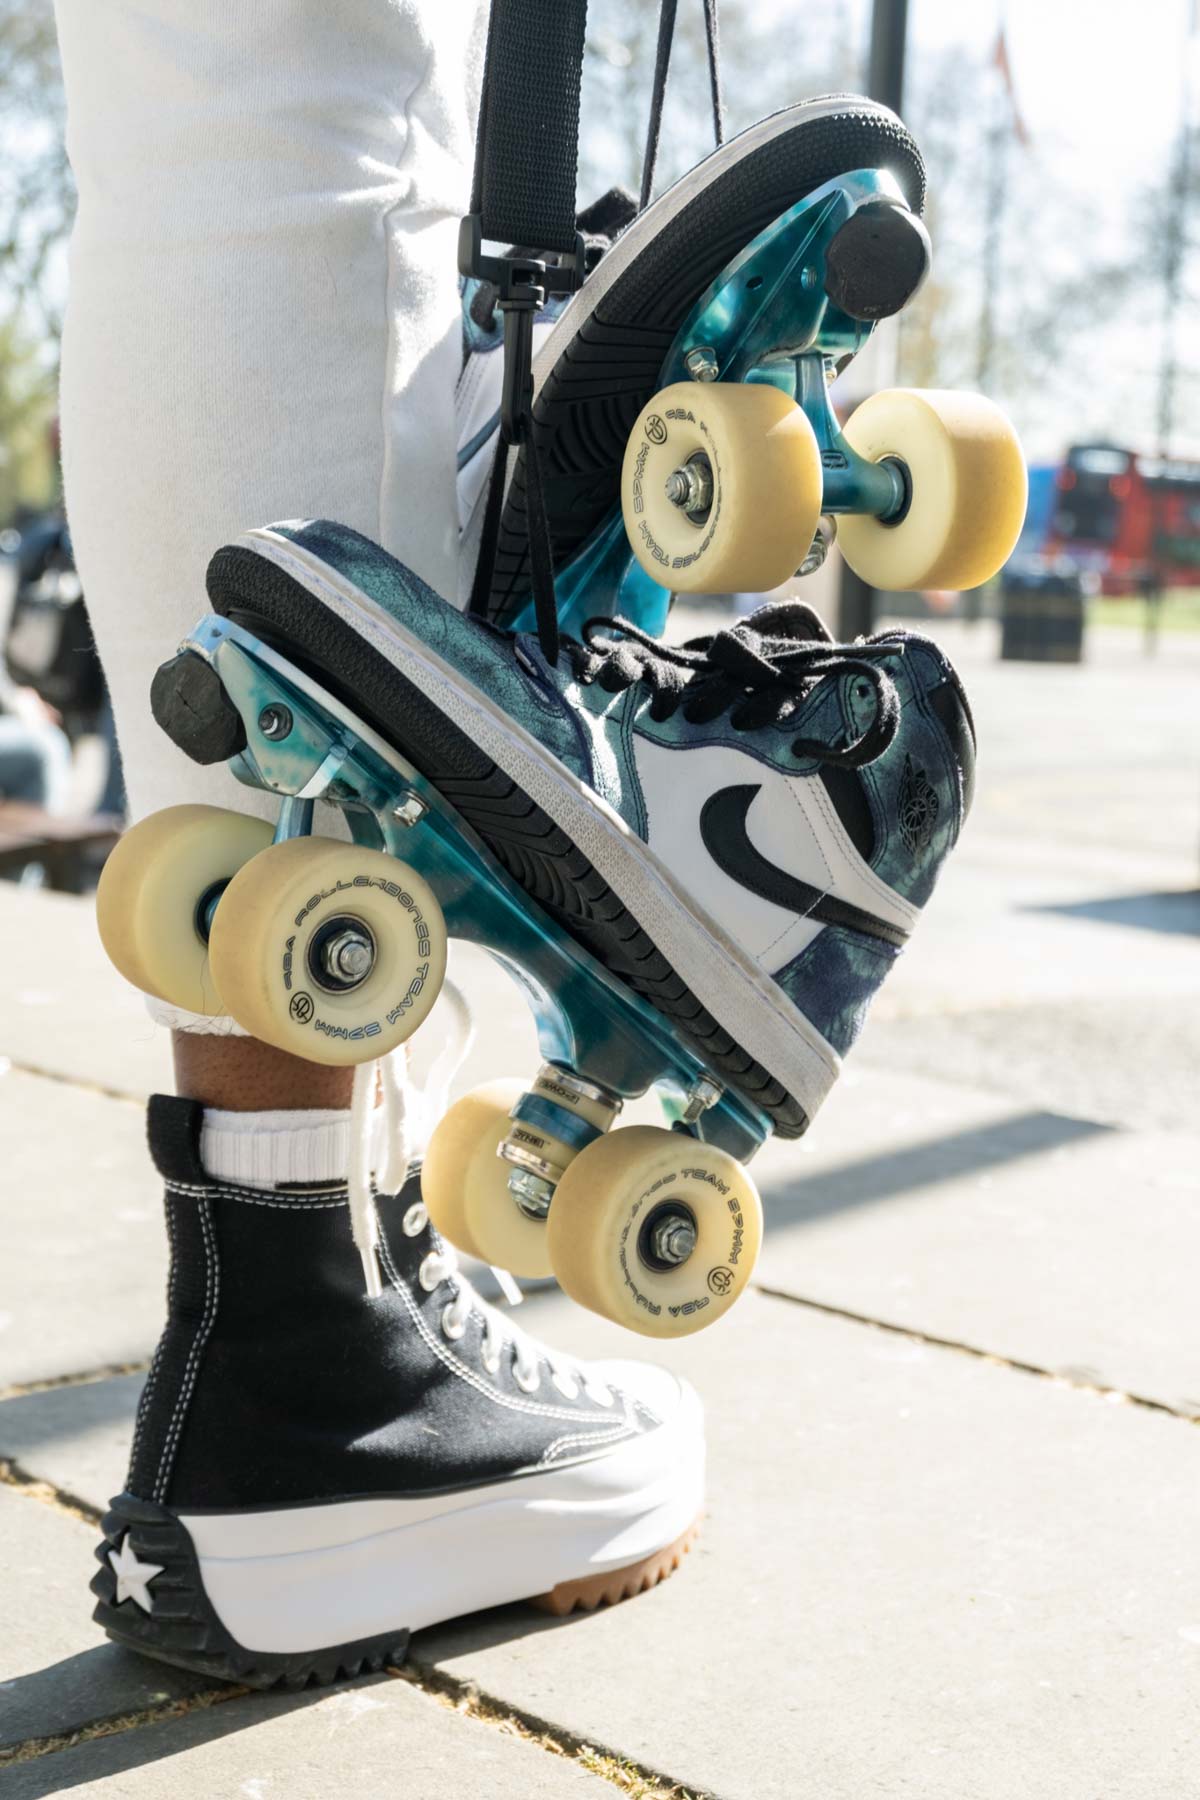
[212,1288]
[288,1203]
[465,1373]
[610,1434]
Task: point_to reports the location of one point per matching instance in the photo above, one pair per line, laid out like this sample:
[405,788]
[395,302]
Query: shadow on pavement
[803,1195]
[1172,912]
[98,1759]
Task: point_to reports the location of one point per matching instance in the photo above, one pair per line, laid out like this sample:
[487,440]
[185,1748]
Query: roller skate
[697,864]
[680,423]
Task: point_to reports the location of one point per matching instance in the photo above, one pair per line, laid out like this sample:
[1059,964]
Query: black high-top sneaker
[316,1474]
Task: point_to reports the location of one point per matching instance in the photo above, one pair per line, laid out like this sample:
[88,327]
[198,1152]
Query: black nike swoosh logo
[723,829]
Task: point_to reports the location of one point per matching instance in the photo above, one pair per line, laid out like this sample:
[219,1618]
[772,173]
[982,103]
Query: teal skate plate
[767,318]
[588,1021]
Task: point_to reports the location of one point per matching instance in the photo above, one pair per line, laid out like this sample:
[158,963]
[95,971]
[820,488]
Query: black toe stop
[877,261]
[188,701]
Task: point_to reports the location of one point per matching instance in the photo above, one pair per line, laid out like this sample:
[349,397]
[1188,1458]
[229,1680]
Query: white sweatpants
[262,318]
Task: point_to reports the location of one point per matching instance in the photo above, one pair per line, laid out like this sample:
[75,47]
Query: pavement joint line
[32,1487]
[11,1064]
[1060,1378]
[630,1778]
[32,1748]
[17,1390]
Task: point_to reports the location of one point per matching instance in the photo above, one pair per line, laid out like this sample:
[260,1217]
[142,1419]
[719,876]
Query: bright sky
[1098,81]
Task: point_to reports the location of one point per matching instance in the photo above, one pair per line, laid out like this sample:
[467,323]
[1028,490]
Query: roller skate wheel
[721,487]
[967,482]
[655,1230]
[464,1184]
[152,903]
[327,950]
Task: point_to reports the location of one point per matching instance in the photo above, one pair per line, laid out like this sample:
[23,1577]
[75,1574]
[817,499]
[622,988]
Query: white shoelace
[440,1266]
[385,1138]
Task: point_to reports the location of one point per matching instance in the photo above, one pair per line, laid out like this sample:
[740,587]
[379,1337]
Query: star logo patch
[133,1577]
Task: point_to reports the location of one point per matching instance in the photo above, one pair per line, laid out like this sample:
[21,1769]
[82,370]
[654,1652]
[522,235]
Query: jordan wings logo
[723,830]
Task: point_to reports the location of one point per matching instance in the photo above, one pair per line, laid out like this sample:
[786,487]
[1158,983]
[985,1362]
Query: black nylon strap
[527,146]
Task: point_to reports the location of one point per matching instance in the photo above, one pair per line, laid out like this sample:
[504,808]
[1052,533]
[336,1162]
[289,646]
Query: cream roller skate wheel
[614,1230]
[464,1184]
[968,490]
[327,950]
[721,487]
[150,902]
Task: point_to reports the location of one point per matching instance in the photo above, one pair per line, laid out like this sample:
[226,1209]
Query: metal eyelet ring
[453,1329]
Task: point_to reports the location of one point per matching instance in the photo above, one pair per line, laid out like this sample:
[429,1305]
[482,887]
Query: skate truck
[735,475]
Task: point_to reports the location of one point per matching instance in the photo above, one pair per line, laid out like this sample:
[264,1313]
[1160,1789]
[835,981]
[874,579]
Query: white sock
[269,1149]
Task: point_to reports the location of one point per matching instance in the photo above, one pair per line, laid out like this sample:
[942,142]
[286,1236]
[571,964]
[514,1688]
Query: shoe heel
[155,1551]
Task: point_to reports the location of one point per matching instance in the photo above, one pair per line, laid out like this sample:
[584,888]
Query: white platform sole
[311,1577]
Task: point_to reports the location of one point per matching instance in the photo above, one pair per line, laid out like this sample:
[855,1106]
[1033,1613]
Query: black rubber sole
[535,851]
[182,1629]
[587,405]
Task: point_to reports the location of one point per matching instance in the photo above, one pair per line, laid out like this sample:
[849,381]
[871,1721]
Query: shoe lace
[385,1138]
[759,671]
[439,1267]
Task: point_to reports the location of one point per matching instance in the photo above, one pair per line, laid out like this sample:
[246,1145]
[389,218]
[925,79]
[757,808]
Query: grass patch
[1178,610]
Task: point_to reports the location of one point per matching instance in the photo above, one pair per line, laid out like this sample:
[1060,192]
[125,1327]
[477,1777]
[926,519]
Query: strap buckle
[519,279]
[521,283]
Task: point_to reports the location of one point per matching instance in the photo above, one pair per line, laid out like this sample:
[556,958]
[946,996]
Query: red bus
[1132,519]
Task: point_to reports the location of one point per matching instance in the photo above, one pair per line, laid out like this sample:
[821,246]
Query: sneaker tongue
[794,620]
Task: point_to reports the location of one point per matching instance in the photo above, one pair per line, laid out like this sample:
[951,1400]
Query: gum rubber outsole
[592,1591]
[183,1629]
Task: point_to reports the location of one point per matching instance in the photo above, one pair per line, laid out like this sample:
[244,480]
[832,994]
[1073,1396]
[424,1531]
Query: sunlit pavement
[951,1542]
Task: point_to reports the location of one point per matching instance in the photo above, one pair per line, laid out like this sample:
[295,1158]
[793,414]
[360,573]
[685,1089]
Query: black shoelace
[757,674]
[541,553]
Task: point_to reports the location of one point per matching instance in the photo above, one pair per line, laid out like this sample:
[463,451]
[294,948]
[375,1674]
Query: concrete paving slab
[64,1008]
[1004,1226]
[76,1438]
[57,1672]
[919,1573]
[378,1737]
[83,1273]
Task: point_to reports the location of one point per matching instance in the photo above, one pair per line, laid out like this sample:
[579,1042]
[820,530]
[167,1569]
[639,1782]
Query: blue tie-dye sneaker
[699,863]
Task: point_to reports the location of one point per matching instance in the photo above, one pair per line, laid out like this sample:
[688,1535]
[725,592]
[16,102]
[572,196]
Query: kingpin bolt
[701,363]
[275,722]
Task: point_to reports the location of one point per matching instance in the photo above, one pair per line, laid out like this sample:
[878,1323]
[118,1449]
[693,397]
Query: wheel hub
[668,1236]
[690,487]
[342,955]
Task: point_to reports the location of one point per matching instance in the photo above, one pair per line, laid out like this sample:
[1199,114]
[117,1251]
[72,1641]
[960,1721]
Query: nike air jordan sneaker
[698,863]
[315,1475]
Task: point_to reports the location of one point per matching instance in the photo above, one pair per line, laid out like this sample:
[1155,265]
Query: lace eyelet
[451,1328]
[567,1388]
[491,1364]
[600,1396]
[415,1220]
[428,1281]
[528,1384]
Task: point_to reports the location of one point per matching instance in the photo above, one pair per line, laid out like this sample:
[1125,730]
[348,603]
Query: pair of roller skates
[697,862]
